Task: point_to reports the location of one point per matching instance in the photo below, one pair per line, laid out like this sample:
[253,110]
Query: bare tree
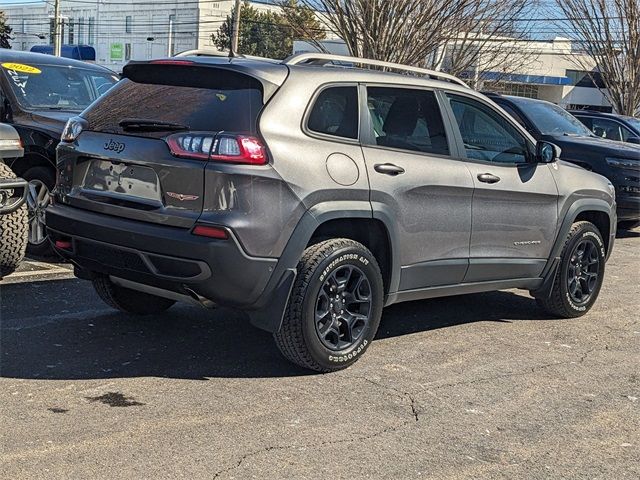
[401,31]
[457,36]
[608,33]
[487,36]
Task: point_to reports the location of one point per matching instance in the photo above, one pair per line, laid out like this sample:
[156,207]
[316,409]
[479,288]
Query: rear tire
[580,274]
[130,301]
[13,233]
[335,306]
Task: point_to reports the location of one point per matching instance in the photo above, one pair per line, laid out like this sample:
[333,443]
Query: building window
[581,78]
[72,27]
[91,31]
[127,24]
[516,89]
[127,51]
[80,30]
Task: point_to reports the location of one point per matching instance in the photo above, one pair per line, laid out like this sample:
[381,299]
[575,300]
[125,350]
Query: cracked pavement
[482,386]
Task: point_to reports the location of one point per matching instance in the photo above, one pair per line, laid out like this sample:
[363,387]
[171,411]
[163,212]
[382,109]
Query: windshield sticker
[19,67]
[20,81]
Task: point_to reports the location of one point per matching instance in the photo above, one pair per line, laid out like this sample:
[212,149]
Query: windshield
[634,122]
[54,87]
[550,119]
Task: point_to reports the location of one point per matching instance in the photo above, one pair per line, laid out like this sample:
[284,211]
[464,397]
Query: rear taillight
[239,149]
[191,145]
[73,128]
[221,147]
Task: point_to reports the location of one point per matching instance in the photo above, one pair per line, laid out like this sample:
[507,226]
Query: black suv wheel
[129,301]
[335,306]
[580,274]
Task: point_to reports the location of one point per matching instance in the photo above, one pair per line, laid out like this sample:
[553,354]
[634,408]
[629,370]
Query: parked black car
[618,161]
[38,94]
[610,126]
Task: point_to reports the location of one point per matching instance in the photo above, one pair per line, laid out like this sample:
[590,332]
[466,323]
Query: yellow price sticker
[22,68]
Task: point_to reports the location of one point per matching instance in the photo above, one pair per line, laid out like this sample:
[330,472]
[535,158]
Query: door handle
[488,178]
[388,169]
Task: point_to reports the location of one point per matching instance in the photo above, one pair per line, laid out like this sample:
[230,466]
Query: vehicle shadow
[192,343]
[628,233]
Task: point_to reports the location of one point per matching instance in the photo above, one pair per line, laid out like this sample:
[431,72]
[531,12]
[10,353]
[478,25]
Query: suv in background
[619,162]
[311,196]
[612,127]
[38,94]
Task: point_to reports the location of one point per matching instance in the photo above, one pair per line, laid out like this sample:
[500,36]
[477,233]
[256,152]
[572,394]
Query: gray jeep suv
[312,195]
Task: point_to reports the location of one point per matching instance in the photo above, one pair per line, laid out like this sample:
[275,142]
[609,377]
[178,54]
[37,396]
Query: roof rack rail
[324,58]
[204,52]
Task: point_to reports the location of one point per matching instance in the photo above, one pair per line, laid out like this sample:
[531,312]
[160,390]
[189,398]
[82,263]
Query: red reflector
[171,62]
[211,232]
[63,244]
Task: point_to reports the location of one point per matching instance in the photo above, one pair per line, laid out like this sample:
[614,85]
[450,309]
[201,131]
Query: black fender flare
[267,313]
[579,206]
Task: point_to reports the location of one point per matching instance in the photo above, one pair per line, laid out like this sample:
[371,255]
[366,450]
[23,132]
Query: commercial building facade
[124,30]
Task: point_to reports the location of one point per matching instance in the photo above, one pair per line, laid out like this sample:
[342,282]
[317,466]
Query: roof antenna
[235,33]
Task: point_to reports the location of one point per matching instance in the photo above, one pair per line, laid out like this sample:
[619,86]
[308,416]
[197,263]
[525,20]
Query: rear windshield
[217,106]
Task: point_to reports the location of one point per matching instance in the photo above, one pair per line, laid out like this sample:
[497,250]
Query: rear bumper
[163,257]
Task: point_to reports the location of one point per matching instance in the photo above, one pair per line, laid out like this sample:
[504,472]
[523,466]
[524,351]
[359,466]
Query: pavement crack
[406,396]
[529,371]
[274,448]
[413,404]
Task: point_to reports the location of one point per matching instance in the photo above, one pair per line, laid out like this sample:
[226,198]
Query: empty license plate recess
[124,180]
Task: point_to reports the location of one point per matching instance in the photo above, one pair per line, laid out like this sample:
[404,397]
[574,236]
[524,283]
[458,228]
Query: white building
[121,31]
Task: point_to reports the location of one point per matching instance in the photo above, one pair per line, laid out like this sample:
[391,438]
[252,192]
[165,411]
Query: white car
[13,210]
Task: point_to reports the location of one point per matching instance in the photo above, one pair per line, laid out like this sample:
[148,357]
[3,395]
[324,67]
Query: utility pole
[57,36]
[235,34]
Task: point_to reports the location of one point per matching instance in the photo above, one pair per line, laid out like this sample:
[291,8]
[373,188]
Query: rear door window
[200,99]
[406,119]
[335,112]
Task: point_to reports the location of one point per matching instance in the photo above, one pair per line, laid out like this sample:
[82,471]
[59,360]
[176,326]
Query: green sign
[116,51]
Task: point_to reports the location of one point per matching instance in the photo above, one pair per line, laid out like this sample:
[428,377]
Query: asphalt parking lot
[482,386]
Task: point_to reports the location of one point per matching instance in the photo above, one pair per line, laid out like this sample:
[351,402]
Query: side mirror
[547,152]
[634,140]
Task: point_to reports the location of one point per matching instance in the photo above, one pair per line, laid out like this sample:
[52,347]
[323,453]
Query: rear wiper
[151,125]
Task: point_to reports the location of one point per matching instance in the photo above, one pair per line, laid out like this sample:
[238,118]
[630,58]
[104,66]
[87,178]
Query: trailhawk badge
[182,197]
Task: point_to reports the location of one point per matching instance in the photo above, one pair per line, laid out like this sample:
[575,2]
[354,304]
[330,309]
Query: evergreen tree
[269,33]
[5,31]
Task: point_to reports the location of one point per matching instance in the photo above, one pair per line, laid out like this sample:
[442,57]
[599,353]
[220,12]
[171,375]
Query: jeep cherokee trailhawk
[312,195]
